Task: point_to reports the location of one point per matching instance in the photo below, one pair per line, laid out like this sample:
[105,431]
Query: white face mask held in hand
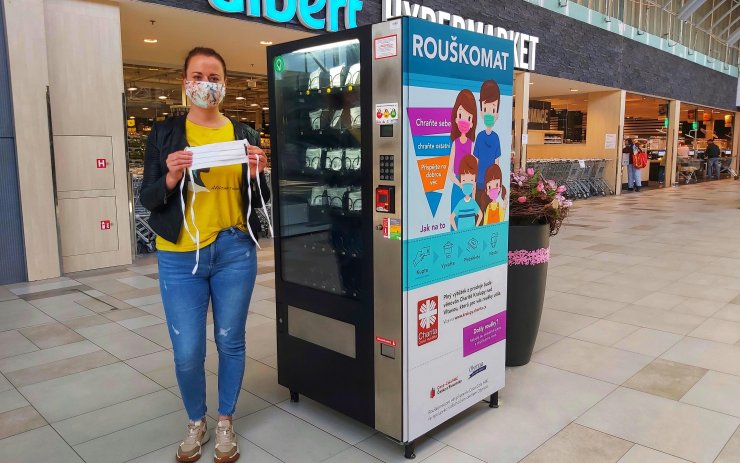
[216,155]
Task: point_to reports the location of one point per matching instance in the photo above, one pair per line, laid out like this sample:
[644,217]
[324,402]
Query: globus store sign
[324,15]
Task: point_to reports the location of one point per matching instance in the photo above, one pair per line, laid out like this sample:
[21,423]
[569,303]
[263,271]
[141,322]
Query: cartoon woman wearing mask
[495,210]
[462,134]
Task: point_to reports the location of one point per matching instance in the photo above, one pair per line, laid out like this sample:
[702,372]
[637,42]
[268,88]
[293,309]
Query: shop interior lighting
[165,114]
[131,117]
[151,40]
[689,8]
[329,46]
[132,88]
[573,89]
[240,98]
[254,105]
[162,97]
[265,42]
[144,109]
[265,108]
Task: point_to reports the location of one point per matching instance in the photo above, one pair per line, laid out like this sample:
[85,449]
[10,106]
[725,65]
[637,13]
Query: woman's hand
[177,162]
[256,166]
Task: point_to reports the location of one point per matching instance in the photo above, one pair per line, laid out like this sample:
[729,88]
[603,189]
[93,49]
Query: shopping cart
[726,167]
[145,236]
[582,177]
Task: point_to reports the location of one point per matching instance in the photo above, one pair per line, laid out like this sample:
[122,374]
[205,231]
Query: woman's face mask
[205,94]
[463,125]
[493,193]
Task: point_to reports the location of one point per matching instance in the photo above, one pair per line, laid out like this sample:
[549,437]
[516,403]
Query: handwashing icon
[421,254]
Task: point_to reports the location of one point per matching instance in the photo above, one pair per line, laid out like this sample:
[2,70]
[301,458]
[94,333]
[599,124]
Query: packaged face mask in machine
[318,79]
[336,120]
[354,201]
[353,75]
[318,196]
[355,114]
[319,118]
[352,158]
[335,75]
[336,196]
[313,158]
[334,159]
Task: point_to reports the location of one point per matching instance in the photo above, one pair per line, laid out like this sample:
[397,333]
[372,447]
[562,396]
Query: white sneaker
[190,449]
[227,449]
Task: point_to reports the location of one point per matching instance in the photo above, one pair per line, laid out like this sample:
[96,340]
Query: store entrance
[700,128]
[155,41]
[646,125]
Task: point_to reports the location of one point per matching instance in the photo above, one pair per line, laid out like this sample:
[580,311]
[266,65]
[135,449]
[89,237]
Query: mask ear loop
[249,194]
[262,198]
[196,238]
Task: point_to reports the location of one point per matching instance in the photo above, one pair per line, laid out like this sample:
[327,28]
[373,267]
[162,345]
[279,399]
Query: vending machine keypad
[386,167]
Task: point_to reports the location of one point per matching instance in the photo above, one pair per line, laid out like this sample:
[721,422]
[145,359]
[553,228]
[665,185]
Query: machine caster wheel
[409,451]
[294,397]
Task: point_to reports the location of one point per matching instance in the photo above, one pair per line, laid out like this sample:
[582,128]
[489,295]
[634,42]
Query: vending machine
[391,168]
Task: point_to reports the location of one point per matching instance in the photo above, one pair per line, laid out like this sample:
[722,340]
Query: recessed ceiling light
[254,105]
[531,83]
[265,108]
[240,98]
[265,42]
[244,118]
[573,89]
[701,110]
[165,114]
[132,88]
[162,97]
[144,109]
[131,117]
[151,40]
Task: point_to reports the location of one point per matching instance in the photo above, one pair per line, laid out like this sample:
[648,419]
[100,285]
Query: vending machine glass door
[317,96]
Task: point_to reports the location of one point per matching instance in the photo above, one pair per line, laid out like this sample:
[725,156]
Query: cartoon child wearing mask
[467,214]
[462,134]
[487,146]
[496,210]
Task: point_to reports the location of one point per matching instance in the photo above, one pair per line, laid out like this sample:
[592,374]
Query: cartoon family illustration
[478,194]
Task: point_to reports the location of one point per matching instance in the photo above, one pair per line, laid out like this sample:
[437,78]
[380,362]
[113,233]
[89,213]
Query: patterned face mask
[205,94]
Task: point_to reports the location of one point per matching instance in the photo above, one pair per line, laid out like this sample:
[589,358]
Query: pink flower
[540,187]
[522,199]
[562,188]
[530,171]
[552,184]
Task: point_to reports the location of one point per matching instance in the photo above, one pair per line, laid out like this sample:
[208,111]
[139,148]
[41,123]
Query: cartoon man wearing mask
[487,145]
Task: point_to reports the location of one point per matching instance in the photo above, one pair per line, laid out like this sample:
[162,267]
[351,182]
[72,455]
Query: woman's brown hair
[202,51]
[465,99]
[469,165]
[494,173]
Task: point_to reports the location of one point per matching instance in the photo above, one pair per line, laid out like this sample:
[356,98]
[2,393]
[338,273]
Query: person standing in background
[712,154]
[634,182]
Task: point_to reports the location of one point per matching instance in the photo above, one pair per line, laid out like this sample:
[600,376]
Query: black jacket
[166,214]
[712,151]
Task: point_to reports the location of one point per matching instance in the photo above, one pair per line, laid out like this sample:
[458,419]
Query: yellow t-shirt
[218,203]
[494,214]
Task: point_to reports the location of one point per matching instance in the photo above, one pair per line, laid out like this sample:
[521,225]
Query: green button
[279,64]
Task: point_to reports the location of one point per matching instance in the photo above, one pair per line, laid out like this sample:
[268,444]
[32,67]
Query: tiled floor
[638,358]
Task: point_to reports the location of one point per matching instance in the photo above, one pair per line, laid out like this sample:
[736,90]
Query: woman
[634,182]
[462,133]
[227,263]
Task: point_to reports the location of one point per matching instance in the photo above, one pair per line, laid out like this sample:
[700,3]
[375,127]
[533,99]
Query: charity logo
[446,386]
[428,312]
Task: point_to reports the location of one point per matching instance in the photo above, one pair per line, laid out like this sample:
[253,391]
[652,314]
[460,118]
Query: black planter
[526,292]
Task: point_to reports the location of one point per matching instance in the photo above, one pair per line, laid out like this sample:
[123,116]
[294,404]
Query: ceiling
[155,69]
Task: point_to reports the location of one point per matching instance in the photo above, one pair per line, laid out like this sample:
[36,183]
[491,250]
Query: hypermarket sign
[324,15]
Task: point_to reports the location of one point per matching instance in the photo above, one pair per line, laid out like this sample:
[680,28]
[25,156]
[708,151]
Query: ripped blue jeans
[226,276]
